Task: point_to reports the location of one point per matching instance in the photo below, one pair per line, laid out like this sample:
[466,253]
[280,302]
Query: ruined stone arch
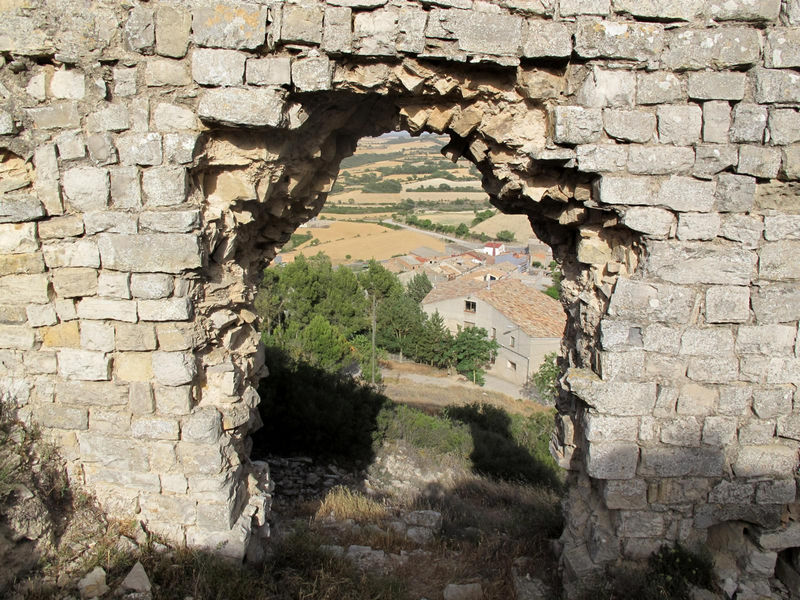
[177,145]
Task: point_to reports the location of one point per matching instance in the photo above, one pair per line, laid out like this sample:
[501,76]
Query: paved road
[448,238]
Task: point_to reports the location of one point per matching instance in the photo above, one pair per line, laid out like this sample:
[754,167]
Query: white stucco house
[526,323]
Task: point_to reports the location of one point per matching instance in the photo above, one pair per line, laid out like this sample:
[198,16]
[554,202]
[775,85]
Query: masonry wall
[155,155]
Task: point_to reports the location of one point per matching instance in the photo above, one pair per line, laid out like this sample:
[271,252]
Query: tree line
[329,317]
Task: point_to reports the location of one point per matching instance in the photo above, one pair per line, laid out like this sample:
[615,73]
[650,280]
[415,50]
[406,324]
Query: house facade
[526,323]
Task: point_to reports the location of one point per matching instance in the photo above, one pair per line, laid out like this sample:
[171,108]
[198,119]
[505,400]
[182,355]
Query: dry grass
[412,367]
[362,199]
[450,218]
[343,503]
[518,224]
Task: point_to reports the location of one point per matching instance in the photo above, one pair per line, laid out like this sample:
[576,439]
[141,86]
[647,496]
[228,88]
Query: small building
[526,323]
[493,248]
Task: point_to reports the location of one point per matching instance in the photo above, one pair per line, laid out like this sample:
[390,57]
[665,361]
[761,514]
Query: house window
[512,343]
[470,306]
[512,366]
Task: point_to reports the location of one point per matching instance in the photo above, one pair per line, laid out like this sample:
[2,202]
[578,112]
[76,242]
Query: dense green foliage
[554,291]
[545,380]
[504,235]
[418,287]
[297,239]
[387,186]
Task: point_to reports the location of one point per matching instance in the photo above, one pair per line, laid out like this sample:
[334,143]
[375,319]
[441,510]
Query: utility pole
[374,326]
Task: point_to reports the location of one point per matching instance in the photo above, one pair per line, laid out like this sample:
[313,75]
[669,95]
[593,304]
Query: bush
[422,431]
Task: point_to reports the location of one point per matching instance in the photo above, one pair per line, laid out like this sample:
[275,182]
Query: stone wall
[155,154]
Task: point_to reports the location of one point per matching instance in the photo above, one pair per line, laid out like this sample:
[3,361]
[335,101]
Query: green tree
[399,322]
[545,380]
[379,281]
[345,304]
[505,235]
[418,287]
[473,351]
[324,344]
[434,342]
[554,291]
[462,230]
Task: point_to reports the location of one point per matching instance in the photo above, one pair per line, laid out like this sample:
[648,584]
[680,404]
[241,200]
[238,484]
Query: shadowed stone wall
[154,156]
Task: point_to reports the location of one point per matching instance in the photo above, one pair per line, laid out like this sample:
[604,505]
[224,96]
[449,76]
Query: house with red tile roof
[526,323]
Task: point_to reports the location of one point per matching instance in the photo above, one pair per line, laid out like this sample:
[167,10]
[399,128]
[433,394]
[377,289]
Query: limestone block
[711,159]
[784,126]
[273,70]
[155,428]
[773,460]
[200,459]
[114,285]
[598,158]
[572,8]
[58,227]
[768,339]
[135,337]
[713,369]
[735,193]
[546,39]
[610,39]
[124,81]
[173,26]
[140,32]
[742,228]
[63,115]
[133,366]
[104,309]
[774,402]
[604,428]
[716,122]
[312,74]
[78,253]
[58,416]
[604,87]
[174,336]
[485,33]
[151,286]
[302,22]
[411,30]
[140,149]
[18,238]
[652,301]
[165,186]
[203,426]
[240,25]
[25,288]
[141,398]
[776,85]
[745,10]
[179,147]
[777,260]
[173,368]
[169,309]
[666,10]
[125,188]
[698,262]
[721,48]
[249,107]
[612,460]
[337,30]
[629,125]
[182,221]
[735,400]
[789,427]
[218,67]
[6,123]
[86,188]
[630,494]
[727,304]
[75,282]
[707,342]
[63,335]
[109,221]
[719,431]
[782,48]
[680,462]
[174,401]
[70,145]
[68,84]
[639,524]
[612,398]
[102,149]
[717,86]
[782,491]
[577,125]
[652,221]
[16,264]
[17,337]
[659,160]
[96,335]
[84,365]
[659,87]
[749,121]
[698,226]
[679,124]
[114,452]
[19,208]
[171,117]
[732,492]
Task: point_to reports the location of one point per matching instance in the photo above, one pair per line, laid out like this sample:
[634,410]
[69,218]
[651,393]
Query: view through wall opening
[410,278]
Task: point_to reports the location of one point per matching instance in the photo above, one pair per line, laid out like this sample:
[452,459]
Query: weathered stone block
[160,72]
[171,117]
[774,402]
[58,416]
[625,494]
[776,227]
[170,309]
[56,228]
[101,149]
[165,186]
[735,193]
[179,148]
[610,39]
[577,125]
[174,336]
[782,491]
[273,70]
[84,365]
[124,81]
[629,125]
[242,25]
[777,260]
[612,398]
[660,87]
[604,87]
[484,33]
[716,122]
[612,460]
[78,253]
[133,366]
[174,401]
[636,300]
[312,74]
[679,124]
[218,67]
[745,10]
[742,228]
[784,126]
[17,264]
[20,208]
[713,369]
[749,121]
[182,221]
[140,149]
[155,428]
[202,426]
[151,286]
[722,48]
[73,283]
[598,158]
[660,160]
[719,431]
[173,368]
[667,10]
[140,31]
[697,400]
[302,22]
[249,107]
[681,462]
[62,115]
[18,238]
[201,459]
[136,338]
[114,285]
[173,26]
[727,304]
[698,226]
[698,262]
[104,309]
[86,188]
[150,253]
[25,288]
[572,8]
[712,159]
[686,194]
[717,86]
[773,460]
[776,85]
[652,221]
[546,39]
[707,342]
[16,337]
[125,188]
[141,399]
[98,336]
[114,452]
